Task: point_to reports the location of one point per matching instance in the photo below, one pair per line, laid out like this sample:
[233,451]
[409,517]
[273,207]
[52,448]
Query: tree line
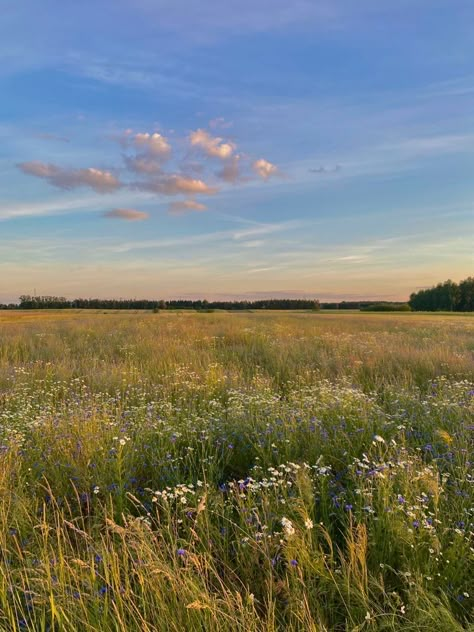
[448,296]
[60,302]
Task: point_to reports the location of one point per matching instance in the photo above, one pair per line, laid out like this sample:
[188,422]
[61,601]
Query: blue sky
[166,148]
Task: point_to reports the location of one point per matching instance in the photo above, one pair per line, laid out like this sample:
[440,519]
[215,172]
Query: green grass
[236,471]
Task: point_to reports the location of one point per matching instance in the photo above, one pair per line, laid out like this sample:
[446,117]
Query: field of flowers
[243,472]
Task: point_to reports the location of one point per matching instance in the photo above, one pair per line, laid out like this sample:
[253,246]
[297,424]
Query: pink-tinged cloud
[230,171]
[175,185]
[185,206]
[264,168]
[100,181]
[154,144]
[128,214]
[143,164]
[214,147]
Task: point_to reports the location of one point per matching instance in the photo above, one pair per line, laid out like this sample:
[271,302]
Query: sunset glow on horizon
[160,149]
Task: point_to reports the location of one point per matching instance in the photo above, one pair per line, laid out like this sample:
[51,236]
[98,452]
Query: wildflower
[294,562]
[287,527]
[181,552]
[379,439]
[308,523]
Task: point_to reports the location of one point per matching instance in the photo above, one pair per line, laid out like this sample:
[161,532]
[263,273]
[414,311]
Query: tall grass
[249,472]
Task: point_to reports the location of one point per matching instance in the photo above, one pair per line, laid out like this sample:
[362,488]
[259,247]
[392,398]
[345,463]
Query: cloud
[155,144]
[256,243]
[100,181]
[230,171]
[149,144]
[185,206]
[214,147]
[175,185]
[128,214]
[142,164]
[264,168]
[56,137]
[322,170]
[220,123]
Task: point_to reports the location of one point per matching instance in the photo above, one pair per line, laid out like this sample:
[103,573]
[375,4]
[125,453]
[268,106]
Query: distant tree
[386,307]
[448,296]
[466,295]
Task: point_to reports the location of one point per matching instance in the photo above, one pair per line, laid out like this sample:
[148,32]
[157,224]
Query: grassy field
[237,472]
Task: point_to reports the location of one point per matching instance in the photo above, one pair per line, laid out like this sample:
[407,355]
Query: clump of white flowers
[288,527]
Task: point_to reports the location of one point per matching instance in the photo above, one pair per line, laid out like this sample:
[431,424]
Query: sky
[237,149]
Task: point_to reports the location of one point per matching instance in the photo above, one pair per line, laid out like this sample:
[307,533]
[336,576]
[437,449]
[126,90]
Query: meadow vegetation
[242,472]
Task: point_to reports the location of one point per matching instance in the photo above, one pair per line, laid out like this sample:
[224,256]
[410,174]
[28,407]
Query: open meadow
[238,472]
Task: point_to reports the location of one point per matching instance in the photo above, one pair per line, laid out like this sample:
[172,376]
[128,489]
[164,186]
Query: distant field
[236,471]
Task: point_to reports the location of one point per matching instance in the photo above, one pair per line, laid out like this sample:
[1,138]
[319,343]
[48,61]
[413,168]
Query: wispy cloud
[51,136]
[181,207]
[325,170]
[143,164]
[100,181]
[128,214]
[64,206]
[230,236]
[220,123]
[175,185]
[230,171]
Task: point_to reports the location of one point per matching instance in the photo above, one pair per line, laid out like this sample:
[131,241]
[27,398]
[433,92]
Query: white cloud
[264,168]
[212,146]
[155,144]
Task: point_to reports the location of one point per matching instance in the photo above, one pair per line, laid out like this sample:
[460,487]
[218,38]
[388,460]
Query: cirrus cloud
[185,206]
[128,214]
[63,178]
